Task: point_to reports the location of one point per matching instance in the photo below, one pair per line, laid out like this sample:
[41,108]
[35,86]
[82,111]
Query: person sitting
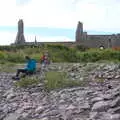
[29,69]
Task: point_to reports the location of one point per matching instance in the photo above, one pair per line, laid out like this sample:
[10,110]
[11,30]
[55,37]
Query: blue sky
[56,20]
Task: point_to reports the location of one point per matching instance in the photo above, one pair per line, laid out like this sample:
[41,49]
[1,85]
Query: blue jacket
[31,65]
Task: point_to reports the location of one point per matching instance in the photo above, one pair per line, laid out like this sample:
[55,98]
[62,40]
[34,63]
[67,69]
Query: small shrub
[2,55]
[81,47]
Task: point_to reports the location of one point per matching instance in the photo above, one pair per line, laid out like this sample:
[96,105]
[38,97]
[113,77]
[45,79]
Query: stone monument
[79,32]
[20,39]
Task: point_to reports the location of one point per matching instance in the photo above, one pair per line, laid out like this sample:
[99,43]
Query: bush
[58,53]
[95,55]
[15,57]
[2,55]
[81,47]
[56,80]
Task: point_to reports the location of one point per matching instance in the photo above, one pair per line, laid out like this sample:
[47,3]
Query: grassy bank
[58,53]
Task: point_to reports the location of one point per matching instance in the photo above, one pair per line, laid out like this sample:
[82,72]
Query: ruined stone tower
[79,32]
[20,39]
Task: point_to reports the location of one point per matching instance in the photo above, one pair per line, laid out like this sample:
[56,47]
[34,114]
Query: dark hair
[27,57]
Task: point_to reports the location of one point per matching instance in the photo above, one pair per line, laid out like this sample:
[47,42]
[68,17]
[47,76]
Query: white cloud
[6,38]
[55,13]
[8,14]
[98,15]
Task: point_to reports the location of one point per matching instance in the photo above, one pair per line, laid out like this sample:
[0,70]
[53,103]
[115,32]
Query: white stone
[39,109]
[96,99]
[71,107]
[10,96]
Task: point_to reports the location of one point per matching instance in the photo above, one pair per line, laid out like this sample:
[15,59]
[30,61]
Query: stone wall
[96,41]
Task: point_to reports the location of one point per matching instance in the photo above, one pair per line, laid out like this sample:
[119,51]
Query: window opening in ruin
[101,47]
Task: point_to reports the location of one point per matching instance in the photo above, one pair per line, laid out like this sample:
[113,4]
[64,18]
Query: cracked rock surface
[98,100]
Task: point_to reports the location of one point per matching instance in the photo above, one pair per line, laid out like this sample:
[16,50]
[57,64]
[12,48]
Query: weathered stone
[93,115]
[100,106]
[72,74]
[45,118]
[20,110]
[106,116]
[71,107]
[62,101]
[114,110]
[6,108]
[12,116]
[115,117]
[39,109]
[117,76]
[103,116]
[10,96]
[27,107]
[20,39]
[115,102]
[25,114]
[85,106]
[2,116]
[107,96]
[69,103]
[96,99]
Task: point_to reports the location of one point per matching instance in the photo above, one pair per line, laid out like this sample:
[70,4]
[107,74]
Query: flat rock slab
[12,116]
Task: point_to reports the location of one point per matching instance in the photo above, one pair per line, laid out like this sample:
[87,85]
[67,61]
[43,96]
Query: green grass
[100,80]
[7,67]
[27,81]
[55,80]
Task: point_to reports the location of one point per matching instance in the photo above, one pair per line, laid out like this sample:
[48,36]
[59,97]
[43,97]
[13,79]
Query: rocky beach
[97,99]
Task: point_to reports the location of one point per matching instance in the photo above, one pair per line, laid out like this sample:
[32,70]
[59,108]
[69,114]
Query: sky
[56,20]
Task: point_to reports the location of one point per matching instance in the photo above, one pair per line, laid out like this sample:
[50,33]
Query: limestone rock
[93,101]
[116,102]
[100,106]
[12,116]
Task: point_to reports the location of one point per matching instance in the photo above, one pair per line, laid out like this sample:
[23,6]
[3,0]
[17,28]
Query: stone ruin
[96,41]
[20,39]
[81,38]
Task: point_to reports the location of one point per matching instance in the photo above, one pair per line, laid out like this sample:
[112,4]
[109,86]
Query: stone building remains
[96,41]
[81,38]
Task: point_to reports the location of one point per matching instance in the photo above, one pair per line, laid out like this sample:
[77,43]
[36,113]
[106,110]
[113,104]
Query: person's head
[27,57]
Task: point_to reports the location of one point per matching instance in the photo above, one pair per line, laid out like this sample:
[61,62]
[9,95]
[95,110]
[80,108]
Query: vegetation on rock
[56,80]
[27,81]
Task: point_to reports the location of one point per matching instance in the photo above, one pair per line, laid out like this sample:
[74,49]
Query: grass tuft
[56,80]
[27,81]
